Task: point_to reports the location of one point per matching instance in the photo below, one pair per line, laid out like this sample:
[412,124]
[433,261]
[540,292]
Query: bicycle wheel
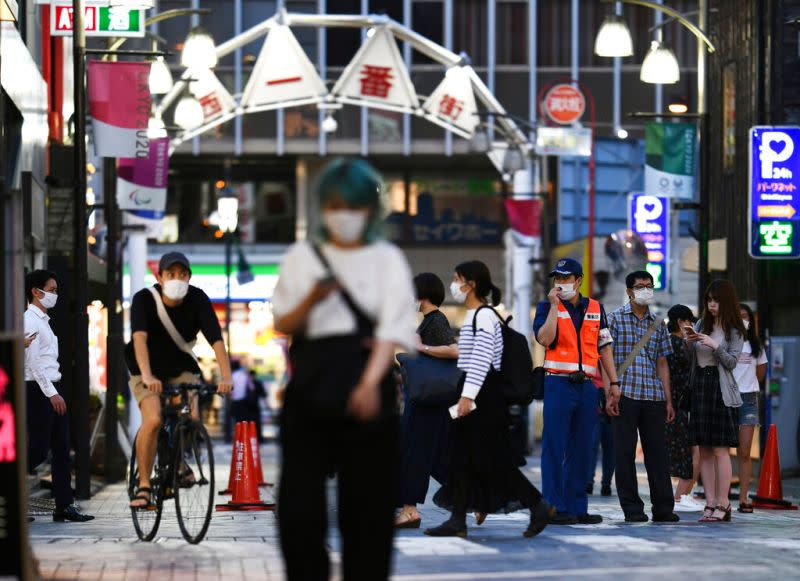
[194,481]
[145,521]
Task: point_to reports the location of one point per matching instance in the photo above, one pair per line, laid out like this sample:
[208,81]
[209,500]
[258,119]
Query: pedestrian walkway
[245,545]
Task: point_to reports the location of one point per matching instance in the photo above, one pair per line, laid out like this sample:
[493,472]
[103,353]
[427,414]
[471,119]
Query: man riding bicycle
[165,321]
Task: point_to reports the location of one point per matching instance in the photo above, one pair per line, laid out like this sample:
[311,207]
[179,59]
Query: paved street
[245,545]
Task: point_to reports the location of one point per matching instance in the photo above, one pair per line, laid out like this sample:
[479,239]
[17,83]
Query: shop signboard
[564,104]
[567,141]
[98,20]
[648,216]
[774,170]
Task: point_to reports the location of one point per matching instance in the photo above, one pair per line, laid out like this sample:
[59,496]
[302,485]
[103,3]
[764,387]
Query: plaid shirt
[641,379]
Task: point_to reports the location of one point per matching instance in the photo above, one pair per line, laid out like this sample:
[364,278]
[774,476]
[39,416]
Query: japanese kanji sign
[283,75]
[212,94]
[648,216]
[774,197]
[98,20]
[452,103]
[564,104]
[377,75]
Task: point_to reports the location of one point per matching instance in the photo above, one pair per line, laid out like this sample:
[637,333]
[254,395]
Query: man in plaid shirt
[642,404]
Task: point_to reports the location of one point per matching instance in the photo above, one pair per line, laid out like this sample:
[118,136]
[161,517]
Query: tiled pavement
[245,545]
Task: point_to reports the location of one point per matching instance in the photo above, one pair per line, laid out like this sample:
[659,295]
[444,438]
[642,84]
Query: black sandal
[142,493]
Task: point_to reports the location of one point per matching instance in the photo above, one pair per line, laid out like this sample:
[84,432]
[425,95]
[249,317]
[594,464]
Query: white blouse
[376,275]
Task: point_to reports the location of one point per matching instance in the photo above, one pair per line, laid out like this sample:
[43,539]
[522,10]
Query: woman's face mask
[346,226]
[459,295]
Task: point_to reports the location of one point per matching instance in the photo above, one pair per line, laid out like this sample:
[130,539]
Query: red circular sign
[564,104]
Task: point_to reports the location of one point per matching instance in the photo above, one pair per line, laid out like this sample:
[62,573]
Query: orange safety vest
[563,357]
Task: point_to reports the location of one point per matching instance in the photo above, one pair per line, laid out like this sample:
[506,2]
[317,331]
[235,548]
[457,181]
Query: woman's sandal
[726,513]
[142,493]
[404,520]
[745,508]
[708,515]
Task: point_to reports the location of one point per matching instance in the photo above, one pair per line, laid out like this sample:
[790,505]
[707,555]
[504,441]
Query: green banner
[670,165]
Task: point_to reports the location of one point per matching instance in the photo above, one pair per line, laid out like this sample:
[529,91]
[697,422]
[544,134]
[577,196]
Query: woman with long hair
[484,476]
[716,341]
[424,429]
[348,303]
[749,373]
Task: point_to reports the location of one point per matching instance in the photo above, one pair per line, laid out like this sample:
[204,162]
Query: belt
[556,373]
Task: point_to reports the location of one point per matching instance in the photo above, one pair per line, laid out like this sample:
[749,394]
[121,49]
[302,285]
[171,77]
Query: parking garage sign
[774,222]
[648,216]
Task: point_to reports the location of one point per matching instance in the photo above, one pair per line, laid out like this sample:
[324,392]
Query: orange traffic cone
[770,488]
[254,447]
[238,435]
[245,487]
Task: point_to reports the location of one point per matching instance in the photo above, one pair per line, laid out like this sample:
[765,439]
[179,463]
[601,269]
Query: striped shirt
[479,352]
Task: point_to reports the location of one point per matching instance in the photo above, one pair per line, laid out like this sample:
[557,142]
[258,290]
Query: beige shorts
[140,391]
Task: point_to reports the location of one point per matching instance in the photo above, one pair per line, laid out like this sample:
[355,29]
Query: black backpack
[516,365]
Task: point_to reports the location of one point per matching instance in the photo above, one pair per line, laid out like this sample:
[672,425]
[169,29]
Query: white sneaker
[688,504]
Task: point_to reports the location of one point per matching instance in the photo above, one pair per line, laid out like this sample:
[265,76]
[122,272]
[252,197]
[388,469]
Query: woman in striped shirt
[484,476]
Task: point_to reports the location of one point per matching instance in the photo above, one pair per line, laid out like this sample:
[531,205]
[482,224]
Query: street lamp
[660,67]
[513,160]
[613,38]
[228,213]
[329,124]
[199,50]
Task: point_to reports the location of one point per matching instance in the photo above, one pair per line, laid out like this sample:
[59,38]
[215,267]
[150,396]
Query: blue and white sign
[774,214]
[648,216]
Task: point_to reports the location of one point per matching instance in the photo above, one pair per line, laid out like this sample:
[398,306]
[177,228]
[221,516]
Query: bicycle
[183,468]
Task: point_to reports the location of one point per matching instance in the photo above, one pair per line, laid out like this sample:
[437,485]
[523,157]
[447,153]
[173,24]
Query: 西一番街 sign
[774,196]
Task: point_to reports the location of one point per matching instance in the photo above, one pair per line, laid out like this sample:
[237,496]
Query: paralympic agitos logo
[138,198]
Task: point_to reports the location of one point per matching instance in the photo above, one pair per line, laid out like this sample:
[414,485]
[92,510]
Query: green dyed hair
[358,184]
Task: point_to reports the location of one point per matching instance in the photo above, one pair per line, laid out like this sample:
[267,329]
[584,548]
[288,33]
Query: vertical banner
[142,187]
[670,163]
[119,102]
[648,216]
[774,192]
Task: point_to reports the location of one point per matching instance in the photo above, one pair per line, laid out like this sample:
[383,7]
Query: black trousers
[48,431]
[647,420]
[364,457]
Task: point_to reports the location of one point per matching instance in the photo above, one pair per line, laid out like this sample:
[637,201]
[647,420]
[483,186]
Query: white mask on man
[49,300]
[176,289]
[643,297]
[346,226]
[567,291]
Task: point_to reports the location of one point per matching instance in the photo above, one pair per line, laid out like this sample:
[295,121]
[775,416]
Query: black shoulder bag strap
[365,324]
[503,322]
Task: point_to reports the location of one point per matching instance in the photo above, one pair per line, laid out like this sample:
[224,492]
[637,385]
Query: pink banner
[119,102]
[525,217]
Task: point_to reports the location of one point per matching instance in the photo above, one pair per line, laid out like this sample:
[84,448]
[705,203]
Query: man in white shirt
[48,423]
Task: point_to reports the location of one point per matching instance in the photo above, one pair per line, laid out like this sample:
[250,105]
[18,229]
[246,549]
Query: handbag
[326,370]
[430,381]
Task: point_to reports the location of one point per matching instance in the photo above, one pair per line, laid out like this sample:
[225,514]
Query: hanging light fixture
[329,124]
[160,77]
[228,210]
[156,128]
[132,4]
[189,113]
[480,142]
[513,160]
[199,50]
[613,38]
[660,67]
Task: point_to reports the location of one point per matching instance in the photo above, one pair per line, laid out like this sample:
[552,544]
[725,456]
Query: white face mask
[417,304]
[455,289]
[643,297]
[176,289]
[49,300]
[346,226]
[567,291]
[746,323]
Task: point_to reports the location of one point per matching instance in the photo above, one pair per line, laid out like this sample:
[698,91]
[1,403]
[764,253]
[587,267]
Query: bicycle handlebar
[170,389]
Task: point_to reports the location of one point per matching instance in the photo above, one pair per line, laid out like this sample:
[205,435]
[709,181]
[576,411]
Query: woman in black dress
[484,476]
[424,429]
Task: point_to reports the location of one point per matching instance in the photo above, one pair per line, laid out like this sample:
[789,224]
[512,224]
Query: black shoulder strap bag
[325,370]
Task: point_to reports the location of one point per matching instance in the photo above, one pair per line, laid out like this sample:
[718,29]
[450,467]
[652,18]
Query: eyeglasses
[639,287]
